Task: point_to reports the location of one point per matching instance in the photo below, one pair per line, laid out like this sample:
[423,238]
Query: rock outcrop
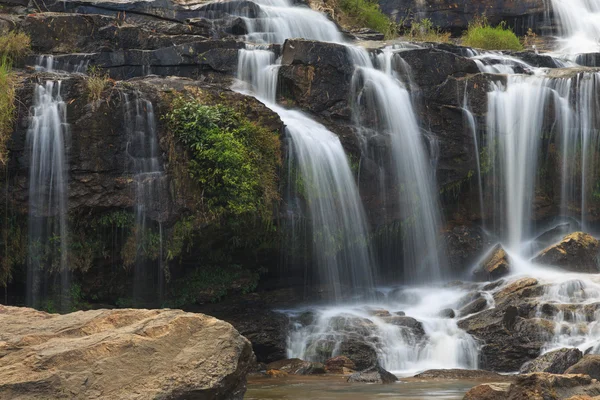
[495,266]
[553,362]
[588,365]
[576,252]
[296,366]
[375,374]
[124,354]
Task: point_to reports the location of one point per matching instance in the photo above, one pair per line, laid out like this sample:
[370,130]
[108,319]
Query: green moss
[366,13]
[7,106]
[484,36]
[231,159]
[425,31]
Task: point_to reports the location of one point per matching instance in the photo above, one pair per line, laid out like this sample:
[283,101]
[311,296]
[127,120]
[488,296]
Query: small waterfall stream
[48,274]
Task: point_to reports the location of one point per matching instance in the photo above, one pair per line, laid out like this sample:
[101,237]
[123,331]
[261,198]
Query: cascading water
[383,102]
[144,161]
[579,25]
[48,274]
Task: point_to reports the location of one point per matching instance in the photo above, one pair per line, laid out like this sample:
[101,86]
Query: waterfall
[144,162]
[578,25]
[472,126]
[382,101]
[47,262]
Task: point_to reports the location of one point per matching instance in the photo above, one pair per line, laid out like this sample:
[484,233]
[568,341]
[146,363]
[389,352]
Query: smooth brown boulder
[488,391]
[577,252]
[339,365]
[588,365]
[493,267]
[120,354]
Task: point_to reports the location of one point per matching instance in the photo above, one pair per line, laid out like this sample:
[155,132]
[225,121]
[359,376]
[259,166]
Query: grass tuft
[366,13]
[97,82]
[482,35]
[425,31]
[14,46]
[7,106]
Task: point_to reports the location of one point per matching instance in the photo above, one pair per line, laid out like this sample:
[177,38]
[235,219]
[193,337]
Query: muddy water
[336,388]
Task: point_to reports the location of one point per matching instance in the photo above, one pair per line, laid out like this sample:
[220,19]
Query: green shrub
[14,46]
[367,13]
[425,31]
[7,106]
[233,160]
[483,36]
[96,83]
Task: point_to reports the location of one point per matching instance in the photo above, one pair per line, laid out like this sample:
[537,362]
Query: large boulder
[538,386]
[362,354]
[588,365]
[120,354]
[494,266]
[375,374]
[296,366]
[339,365]
[577,252]
[554,362]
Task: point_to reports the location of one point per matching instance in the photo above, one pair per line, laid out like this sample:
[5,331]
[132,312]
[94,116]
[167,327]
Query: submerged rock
[577,252]
[296,366]
[120,354]
[588,365]
[460,374]
[447,313]
[493,267]
[374,374]
[554,362]
[473,307]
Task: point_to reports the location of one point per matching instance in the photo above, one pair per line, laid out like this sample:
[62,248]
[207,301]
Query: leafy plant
[483,36]
[425,31]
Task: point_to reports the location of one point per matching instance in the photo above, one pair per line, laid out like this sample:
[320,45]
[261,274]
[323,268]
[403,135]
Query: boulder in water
[554,362]
[447,313]
[120,354]
[460,374]
[577,252]
[588,365]
[493,267]
[473,307]
[375,374]
[339,365]
[488,391]
[362,354]
[296,366]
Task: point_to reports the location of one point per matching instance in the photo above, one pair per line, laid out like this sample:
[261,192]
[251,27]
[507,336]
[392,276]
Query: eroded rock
[374,374]
[577,252]
[588,365]
[554,362]
[121,354]
[493,267]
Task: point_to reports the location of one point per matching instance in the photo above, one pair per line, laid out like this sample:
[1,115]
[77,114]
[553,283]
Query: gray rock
[554,362]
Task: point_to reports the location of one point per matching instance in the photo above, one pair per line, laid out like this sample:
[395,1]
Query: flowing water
[579,25]
[144,162]
[47,137]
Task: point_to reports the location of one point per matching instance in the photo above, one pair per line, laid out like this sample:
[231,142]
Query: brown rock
[275,373]
[488,391]
[495,266]
[588,365]
[296,366]
[577,252]
[339,365]
[554,362]
[120,354]
[514,287]
[460,374]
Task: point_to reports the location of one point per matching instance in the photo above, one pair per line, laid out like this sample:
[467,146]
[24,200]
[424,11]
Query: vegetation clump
[233,160]
[366,13]
[425,31]
[14,46]
[484,36]
[97,82]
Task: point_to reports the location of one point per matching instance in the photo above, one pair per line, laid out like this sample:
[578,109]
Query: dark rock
[588,59]
[362,354]
[339,365]
[464,244]
[495,266]
[296,366]
[461,374]
[473,307]
[576,252]
[554,362]
[535,59]
[400,313]
[588,365]
[375,374]
[447,313]
[413,326]
[367,34]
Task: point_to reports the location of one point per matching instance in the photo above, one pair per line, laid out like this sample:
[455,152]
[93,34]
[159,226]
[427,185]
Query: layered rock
[493,267]
[576,252]
[554,362]
[126,354]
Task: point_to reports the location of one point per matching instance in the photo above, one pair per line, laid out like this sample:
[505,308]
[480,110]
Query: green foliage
[115,219]
[425,31]
[483,36]
[13,247]
[7,106]
[233,160]
[14,46]
[211,283]
[367,13]
[96,82]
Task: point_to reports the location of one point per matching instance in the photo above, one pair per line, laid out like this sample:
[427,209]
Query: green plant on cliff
[484,36]
[366,13]
[14,46]
[7,107]
[233,160]
[425,31]
[96,83]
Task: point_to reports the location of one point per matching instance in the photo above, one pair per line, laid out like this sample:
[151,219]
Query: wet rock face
[554,362]
[339,365]
[465,244]
[167,354]
[362,354]
[493,267]
[457,15]
[576,252]
[374,374]
[295,366]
